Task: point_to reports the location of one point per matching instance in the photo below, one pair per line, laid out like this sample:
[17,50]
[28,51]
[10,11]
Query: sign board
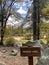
[30,51]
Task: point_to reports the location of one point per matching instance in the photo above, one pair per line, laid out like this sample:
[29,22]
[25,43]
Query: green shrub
[9,41]
[28,36]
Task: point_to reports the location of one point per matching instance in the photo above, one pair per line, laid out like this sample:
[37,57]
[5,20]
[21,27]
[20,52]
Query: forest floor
[7,59]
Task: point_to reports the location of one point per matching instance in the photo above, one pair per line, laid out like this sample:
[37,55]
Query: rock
[47,50]
[1,53]
[29,43]
[44,59]
[16,46]
[4,50]
[2,63]
[13,52]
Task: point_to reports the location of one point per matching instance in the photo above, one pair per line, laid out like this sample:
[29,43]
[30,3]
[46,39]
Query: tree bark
[36,19]
[1,42]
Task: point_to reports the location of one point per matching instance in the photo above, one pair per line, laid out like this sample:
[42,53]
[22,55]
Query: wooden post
[30,60]
[30,52]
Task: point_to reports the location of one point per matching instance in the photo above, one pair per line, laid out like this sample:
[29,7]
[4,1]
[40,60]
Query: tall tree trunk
[36,19]
[1,42]
[38,31]
[3,28]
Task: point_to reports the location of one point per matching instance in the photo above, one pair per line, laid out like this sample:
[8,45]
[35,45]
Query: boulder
[2,63]
[4,50]
[44,59]
[13,52]
[1,53]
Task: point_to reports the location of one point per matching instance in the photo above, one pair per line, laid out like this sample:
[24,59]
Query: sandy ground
[14,60]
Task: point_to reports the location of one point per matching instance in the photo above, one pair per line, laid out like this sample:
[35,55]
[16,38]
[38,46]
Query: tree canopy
[45,12]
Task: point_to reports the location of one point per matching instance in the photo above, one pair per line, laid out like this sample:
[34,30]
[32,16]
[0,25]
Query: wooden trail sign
[30,52]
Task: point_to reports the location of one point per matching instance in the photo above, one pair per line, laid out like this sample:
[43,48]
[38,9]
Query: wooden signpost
[30,52]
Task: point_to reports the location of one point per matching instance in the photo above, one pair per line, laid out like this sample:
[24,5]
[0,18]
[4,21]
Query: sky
[22,9]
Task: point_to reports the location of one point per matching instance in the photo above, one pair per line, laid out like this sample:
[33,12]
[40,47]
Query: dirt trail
[14,60]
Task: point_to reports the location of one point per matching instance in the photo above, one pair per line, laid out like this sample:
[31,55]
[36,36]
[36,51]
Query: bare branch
[4,3]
